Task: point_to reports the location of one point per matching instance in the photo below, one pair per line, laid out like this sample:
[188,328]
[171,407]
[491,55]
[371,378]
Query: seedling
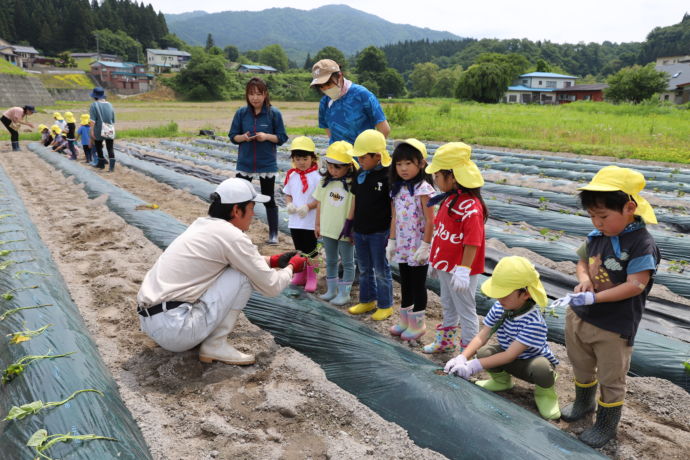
[15,310]
[26,335]
[678,266]
[42,441]
[686,365]
[2,216]
[10,231]
[33,408]
[7,263]
[314,257]
[16,369]
[19,273]
[11,241]
[9,295]
[6,252]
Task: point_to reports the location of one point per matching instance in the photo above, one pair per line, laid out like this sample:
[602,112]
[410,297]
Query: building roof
[592,87]
[134,74]
[90,55]
[116,65]
[531,90]
[24,49]
[258,67]
[546,75]
[169,52]
[679,74]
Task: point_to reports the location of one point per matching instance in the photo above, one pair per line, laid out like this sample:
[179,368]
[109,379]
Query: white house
[678,89]
[537,87]
[168,59]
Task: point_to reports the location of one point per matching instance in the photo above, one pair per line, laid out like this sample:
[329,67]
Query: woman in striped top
[522,349]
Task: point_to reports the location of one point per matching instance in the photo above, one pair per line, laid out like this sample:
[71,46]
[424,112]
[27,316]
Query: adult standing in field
[13,118]
[258,130]
[102,116]
[346,109]
[199,285]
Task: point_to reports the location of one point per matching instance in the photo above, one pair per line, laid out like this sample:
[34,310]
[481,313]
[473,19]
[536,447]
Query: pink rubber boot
[298,279]
[310,285]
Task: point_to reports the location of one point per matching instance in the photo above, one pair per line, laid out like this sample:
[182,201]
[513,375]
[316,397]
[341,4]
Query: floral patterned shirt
[409,222]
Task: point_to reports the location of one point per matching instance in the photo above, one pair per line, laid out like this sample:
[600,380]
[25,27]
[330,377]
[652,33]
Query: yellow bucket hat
[84,119]
[372,141]
[69,117]
[41,127]
[419,145]
[57,116]
[303,143]
[456,157]
[511,273]
[614,179]
[340,153]
[55,129]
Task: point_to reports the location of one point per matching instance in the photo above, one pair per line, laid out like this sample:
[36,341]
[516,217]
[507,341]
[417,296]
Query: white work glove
[291,208]
[454,363]
[302,211]
[577,299]
[461,278]
[421,255]
[390,249]
[431,273]
[468,369]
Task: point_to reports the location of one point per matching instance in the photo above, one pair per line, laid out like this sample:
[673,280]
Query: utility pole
[98,50]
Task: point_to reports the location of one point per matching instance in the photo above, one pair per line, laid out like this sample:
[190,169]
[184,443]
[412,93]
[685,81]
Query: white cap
[236,190]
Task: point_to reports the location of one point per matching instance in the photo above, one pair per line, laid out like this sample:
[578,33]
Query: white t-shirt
[300,198]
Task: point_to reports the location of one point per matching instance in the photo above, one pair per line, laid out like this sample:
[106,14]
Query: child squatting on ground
[412,226]
[371,214]
[522,349]
[457,249]
[334,201]
[300,183]
[615,274]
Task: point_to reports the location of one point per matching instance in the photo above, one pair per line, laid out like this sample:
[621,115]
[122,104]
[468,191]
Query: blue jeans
[346,251]
[375,279]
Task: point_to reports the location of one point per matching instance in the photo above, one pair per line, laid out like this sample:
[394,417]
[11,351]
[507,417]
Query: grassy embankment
[11,69]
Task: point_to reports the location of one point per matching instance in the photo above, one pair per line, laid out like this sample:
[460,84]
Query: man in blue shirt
[346,109]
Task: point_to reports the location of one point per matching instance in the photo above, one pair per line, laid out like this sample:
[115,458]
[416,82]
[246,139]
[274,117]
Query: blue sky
[557,21]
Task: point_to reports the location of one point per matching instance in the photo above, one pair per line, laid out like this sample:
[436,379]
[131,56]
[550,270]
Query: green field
[647,132]
[8,68]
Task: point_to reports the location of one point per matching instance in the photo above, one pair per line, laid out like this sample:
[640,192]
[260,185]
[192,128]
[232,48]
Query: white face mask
[333,92]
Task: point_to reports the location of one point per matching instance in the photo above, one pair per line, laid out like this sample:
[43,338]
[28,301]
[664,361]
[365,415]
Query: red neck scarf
[302,174]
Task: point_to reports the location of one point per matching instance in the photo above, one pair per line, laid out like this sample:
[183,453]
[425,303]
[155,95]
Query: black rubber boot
[585,402]
[101,163]
[15,146]
[111,163]
[272,217]
[88,156]
[604,428]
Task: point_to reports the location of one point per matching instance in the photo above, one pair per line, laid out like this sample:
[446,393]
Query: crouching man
[199,285]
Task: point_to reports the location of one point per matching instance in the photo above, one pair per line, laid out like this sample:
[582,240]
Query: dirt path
[283,407]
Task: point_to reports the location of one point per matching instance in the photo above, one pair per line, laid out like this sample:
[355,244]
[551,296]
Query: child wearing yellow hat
[615,274]
[83,134]
[522,350]
[59,120]
[334,201]
[300,183]
[71,134]
[46,138]
[59,143]
[371,221]
[412,226]
[457,248]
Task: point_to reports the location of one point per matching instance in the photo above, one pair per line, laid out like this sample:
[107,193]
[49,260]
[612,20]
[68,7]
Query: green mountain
[298,31]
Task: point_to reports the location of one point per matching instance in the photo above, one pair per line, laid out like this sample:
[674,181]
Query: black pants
[413,286]
[267,186]
[108,145]
[304,240]
[14,134]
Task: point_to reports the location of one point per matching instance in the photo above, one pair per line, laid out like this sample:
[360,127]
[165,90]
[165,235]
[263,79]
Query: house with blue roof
[249,68]
[537,88]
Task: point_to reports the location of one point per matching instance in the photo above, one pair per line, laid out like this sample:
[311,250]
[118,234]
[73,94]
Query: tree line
[54,26]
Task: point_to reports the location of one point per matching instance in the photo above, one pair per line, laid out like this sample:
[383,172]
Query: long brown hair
[256,84]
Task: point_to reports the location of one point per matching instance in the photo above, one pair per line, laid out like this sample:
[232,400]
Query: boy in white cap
[522,349]
[199,285]
[615,274]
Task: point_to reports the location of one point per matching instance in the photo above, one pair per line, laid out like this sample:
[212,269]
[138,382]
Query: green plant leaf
[37,438]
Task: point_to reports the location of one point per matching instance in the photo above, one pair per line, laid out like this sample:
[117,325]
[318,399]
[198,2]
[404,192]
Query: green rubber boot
[498,381]
[585,402]
[606,426]
[547,402]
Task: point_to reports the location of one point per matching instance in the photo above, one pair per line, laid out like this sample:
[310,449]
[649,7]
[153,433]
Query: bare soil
[282,407]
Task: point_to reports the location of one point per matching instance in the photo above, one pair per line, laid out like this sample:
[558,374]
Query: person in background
[457,248]
[615,274]
[59,143]
[258,129]
[46,138]
[59,120]
[300,183]
[412,227]
[334,201]
[346,109]
[13,118]
[370,218]
[71,134]
[83,134]
[198,287]
[522,350]
[100,112]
